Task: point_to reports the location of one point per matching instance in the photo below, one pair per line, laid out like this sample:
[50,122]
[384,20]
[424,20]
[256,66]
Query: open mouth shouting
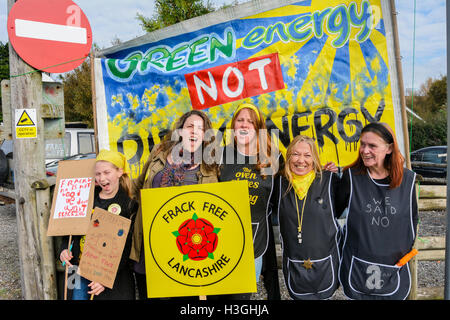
[192,133]
[107,176]
[192,143]
[191,140]
[245,136]
[243,132]
[105,185]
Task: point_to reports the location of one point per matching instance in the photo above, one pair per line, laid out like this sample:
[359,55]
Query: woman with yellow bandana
[308,227]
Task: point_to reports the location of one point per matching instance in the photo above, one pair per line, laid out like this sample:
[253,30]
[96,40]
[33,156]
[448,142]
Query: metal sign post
[447,235]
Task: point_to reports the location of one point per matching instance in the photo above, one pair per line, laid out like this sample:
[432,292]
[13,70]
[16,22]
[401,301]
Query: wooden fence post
[35,249]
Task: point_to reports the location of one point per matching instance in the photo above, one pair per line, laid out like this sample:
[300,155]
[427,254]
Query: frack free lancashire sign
[198,240]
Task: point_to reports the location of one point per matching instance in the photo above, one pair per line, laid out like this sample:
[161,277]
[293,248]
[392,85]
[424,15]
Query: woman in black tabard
[308,227]
[381,221]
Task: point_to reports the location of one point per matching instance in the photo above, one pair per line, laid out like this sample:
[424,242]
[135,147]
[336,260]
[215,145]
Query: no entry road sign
[52,35]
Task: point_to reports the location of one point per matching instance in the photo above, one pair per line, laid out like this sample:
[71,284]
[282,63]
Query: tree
[169,12]
[437,95]
[4,61]
[429,98]
[78,94]
[431,104]
[4,68]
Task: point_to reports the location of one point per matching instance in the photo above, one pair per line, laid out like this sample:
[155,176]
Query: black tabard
[320,238]
[236,166]
[379,232]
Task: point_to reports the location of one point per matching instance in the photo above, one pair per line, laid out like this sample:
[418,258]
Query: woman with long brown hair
[381,222]
[176,161]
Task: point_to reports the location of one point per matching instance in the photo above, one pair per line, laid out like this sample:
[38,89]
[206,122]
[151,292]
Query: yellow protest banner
[324,69]
[198,240]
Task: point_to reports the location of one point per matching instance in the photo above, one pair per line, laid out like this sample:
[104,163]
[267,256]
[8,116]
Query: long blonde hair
[125,183]
[317,167]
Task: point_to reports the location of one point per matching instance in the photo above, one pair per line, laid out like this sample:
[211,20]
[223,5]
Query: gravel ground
[430,273]
[10,287]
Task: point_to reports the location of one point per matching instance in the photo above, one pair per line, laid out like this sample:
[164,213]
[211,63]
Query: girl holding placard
[112,193]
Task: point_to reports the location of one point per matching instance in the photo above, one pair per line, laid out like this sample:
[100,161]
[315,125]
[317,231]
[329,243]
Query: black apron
[320,239]
[236,166]
[379,231]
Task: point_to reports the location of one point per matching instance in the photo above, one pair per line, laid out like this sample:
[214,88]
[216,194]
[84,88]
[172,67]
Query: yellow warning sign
[25,120]
[26,123]
[26,132]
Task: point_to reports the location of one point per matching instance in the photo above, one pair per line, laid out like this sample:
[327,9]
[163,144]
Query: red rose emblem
[196,239]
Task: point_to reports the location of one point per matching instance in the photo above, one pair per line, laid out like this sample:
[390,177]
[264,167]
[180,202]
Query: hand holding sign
[73,198]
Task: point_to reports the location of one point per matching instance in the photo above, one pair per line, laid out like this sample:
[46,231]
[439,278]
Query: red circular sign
[51,35]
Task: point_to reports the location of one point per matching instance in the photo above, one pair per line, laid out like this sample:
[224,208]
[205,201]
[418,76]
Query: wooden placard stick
[67,268]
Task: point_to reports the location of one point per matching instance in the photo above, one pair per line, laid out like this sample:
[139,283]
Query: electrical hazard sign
[25,123]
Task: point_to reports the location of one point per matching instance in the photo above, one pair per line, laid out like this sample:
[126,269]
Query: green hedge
[432,132]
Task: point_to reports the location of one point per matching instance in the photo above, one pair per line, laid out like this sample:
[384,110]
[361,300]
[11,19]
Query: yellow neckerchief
[301,184]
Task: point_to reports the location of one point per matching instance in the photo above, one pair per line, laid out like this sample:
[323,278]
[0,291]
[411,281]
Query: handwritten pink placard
[73,198]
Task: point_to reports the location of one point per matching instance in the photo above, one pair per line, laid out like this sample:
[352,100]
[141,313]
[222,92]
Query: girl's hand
[66,256]
[330,166]
[96,288]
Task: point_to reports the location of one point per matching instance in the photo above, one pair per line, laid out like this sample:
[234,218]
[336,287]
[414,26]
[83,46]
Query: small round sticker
[114,208]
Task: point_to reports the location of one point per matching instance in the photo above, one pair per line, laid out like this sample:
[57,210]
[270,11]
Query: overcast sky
[107,19]
[430,43]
